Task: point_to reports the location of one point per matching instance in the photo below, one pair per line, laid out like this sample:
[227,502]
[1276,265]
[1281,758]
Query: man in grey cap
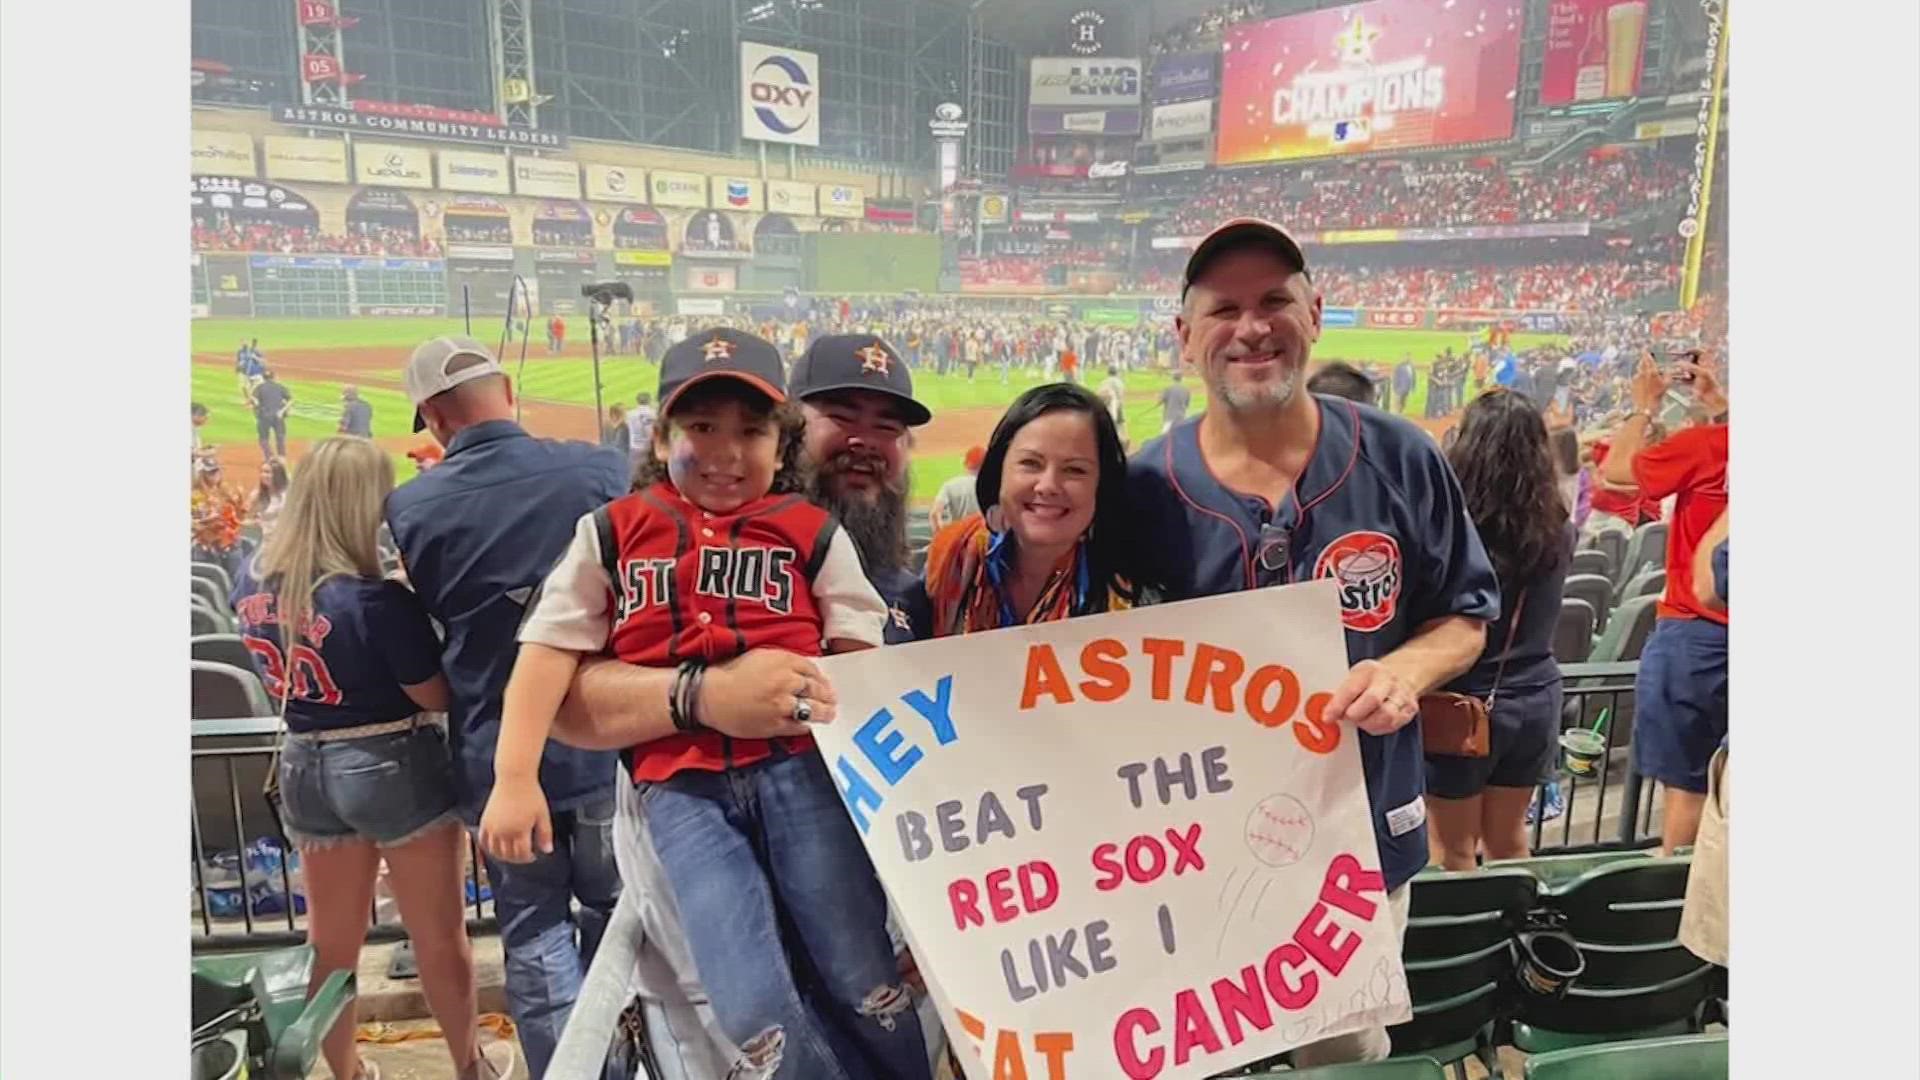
[858,400]
[477,535]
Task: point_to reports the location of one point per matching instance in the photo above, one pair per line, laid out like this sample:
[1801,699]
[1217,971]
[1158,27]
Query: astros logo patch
[872,358]
[1367,566]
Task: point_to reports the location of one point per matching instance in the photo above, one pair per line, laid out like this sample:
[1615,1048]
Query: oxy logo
[781,93]
[617,181]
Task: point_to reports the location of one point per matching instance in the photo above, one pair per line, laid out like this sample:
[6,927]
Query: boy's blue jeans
[785,921]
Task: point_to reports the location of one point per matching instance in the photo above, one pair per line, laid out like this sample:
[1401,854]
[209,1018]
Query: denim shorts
[1680,702]
[1524,742]
[386,789]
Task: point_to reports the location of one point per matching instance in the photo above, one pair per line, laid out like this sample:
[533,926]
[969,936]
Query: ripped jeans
[786,922]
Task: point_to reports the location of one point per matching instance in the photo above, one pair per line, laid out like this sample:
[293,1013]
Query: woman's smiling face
[1050,479]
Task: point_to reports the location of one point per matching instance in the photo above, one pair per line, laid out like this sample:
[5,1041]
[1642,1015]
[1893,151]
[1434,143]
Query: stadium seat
[1554,871]
[208,591]
[1646,583]
[1591,561]
[222,692]
[1597,590]
[1625,916]
[1646,548]
[229,649]
[1407,1068]
[1627,631]
[1573,633]
[215,574]
[265,994]
[1453,1030]
[1688,1057]
[1614,543]
[206,621]
[1457,952]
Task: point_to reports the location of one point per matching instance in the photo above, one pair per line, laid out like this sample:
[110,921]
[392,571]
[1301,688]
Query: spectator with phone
[1681,689]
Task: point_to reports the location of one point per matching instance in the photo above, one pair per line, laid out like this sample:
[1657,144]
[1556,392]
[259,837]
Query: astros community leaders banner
[1384,75]
[1126,845]
[779,94]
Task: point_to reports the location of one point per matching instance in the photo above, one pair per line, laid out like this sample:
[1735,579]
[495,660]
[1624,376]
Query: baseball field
[316,357]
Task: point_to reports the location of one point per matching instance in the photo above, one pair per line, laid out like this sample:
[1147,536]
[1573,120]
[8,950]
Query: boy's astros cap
[721,353]
[856,362]
[1242,232]
[427,374]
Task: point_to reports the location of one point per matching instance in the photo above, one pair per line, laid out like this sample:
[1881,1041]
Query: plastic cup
[1583,750]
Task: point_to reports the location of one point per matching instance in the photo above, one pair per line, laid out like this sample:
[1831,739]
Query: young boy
[717,552]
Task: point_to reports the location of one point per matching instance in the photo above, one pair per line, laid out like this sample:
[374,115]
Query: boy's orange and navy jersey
[655,580]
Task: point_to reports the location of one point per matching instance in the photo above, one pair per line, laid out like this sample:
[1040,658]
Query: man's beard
[1270,394]
[876,520]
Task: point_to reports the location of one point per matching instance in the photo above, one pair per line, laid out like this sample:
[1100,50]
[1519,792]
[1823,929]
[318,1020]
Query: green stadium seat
[230,649]
[210,592]
[1591,561]
[1407,1068]
[1627,631]
[205,621]
[1596,589]
[1688,1057]
[1646,548]
[1645,583]
[1573,631]
[266,994]
[1614,543]
[1453,1030]
[1625,917]
[215,574]
[1458,955]
[1554,871]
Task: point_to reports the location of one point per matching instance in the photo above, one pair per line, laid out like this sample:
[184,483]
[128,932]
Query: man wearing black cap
[477,534]
[858,401]
[1274,484]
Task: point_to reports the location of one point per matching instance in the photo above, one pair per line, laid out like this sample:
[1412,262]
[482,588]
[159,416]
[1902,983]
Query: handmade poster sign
[1125,845]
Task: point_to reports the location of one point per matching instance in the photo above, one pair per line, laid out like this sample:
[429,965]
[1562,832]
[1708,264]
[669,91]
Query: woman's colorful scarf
[970,565]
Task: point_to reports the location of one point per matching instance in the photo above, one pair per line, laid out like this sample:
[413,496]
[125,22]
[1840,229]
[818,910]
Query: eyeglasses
[1271,554]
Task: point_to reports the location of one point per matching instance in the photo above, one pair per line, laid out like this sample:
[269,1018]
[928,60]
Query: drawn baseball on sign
[1279,830]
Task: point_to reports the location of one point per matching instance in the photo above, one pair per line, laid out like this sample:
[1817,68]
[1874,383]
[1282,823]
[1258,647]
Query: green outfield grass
[317,404]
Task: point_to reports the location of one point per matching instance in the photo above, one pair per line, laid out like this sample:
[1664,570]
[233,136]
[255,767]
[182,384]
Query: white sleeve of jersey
[850,607]
[572,610]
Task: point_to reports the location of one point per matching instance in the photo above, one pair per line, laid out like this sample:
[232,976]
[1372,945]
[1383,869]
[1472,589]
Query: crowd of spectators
[1568,285]
[275,238]
[1369,195]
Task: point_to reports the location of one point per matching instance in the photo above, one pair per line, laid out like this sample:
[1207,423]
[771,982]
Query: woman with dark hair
[1500,452]
[271,494]
[1050,541]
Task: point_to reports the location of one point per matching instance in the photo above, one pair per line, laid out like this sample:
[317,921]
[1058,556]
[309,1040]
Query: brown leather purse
[1455,725]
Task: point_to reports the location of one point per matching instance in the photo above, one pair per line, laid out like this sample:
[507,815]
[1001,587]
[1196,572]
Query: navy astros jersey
[909,612]
[364,640]
[1377,508]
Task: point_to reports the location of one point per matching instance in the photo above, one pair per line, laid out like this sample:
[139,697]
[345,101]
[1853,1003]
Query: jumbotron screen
[1383,75]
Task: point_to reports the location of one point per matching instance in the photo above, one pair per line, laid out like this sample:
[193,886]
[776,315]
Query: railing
[229,766]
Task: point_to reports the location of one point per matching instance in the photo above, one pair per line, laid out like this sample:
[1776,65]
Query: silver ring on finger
[802,710]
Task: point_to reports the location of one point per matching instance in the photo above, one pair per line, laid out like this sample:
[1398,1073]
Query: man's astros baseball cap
[721,353]
[856,362]
[427,373]
[1235,234]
